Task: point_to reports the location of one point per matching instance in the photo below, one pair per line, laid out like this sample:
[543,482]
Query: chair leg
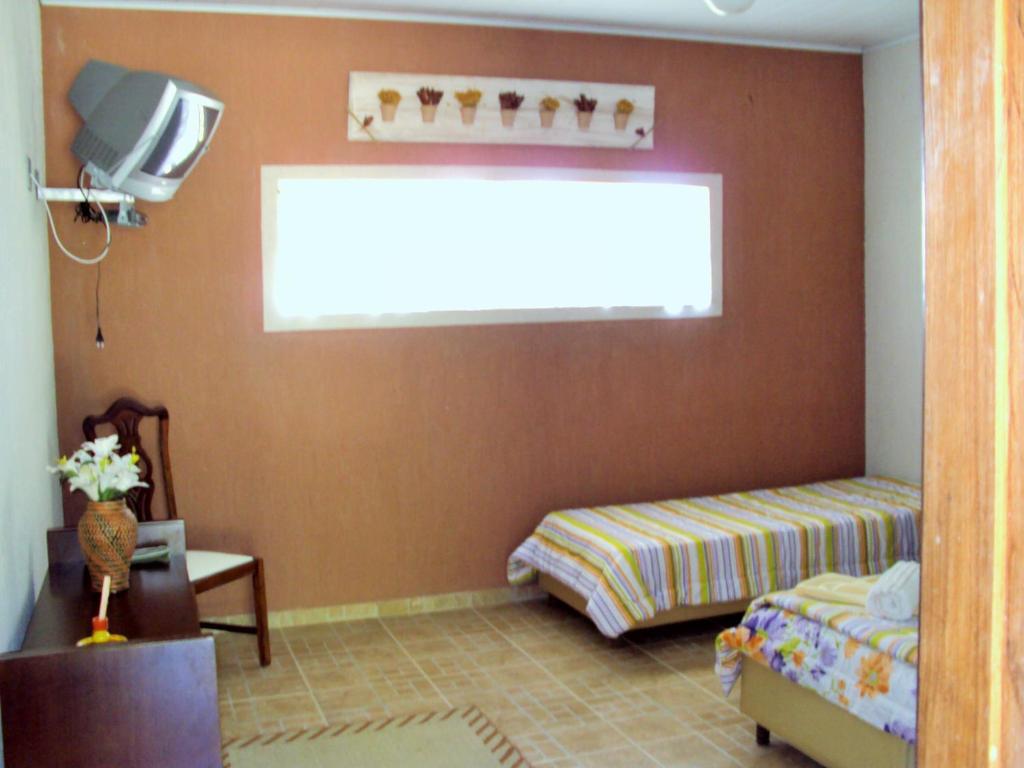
[259,595]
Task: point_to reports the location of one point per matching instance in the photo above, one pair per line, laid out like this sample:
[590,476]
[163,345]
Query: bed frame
[817,727]
[577,602]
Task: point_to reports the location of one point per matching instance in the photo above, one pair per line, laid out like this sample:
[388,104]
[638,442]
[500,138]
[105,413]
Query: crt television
[144,132]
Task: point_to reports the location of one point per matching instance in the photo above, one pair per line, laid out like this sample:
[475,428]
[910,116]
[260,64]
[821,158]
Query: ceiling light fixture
[729,7]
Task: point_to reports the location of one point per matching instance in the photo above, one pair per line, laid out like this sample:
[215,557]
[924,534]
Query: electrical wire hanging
[85,211]
[53,227]
[99,331]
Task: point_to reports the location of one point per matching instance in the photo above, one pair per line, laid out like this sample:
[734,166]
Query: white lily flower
[60,469]
[120,464]
[98,472]
[102,447]
[126,481]
[87,482]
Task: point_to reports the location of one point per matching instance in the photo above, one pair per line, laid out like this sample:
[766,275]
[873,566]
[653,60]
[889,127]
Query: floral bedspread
[866,665]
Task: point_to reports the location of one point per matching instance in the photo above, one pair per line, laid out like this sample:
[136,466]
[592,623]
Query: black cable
[99,331]
[84,211]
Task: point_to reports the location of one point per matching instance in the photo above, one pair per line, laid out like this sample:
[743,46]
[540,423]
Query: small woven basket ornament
[107,534]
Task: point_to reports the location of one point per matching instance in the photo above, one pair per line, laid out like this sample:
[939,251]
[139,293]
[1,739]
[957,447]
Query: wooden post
[972,652]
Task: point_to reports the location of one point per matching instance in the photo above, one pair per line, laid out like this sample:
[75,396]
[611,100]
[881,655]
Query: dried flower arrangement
[510,103]
[548,106]
[623,109]
[584,110]
[429,99]
[583,104]
[468,100]
[429,96]
[388,104]
[510,99]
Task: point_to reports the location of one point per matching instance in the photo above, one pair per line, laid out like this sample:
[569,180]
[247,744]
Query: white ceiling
[851,25]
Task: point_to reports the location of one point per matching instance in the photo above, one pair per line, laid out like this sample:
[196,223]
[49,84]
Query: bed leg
[763,736]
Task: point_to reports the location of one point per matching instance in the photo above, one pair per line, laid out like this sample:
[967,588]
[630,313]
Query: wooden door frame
[972,619]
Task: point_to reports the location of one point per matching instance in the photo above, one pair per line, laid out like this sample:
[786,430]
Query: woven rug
[458,737]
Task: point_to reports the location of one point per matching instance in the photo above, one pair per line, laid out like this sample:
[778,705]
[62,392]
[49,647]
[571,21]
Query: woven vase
[107,534]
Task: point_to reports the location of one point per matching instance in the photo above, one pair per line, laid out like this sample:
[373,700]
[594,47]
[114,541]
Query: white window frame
[273,321]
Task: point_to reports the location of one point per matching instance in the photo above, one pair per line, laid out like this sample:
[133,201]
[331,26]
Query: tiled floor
[564,694]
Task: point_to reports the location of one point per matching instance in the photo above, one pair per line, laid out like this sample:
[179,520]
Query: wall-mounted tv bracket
[127,216]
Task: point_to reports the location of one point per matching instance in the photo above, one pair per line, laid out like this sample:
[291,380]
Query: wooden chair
[206,570]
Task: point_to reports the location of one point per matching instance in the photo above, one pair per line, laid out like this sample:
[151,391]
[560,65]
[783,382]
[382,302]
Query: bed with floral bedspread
[863,664]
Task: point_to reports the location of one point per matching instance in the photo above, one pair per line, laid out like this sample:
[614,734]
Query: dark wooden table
[158,606]
[149,702]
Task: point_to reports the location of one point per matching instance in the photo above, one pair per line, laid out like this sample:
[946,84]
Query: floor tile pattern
[567,697]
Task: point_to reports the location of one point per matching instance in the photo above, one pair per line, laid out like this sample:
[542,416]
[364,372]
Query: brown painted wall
[373,464]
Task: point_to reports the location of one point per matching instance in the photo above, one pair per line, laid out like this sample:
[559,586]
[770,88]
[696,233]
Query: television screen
[184,137]
[144,132]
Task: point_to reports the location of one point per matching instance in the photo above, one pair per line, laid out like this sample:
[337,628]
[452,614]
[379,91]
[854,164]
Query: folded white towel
[897,593]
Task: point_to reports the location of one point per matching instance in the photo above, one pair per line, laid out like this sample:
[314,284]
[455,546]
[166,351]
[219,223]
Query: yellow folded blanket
[837,588]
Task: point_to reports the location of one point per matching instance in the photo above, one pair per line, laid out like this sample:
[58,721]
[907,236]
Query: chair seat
[201,563]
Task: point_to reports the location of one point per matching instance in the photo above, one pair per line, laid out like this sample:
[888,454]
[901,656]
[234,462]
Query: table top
[158,605]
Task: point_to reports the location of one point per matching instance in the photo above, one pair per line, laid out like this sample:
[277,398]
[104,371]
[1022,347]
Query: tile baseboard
[406,606]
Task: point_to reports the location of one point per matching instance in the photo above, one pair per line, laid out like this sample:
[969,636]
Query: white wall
[894,269]
[29,497]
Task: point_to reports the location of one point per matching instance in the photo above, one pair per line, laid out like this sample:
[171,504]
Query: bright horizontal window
[368,246]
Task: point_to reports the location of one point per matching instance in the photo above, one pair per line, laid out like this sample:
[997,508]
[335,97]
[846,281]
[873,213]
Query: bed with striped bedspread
[632,561]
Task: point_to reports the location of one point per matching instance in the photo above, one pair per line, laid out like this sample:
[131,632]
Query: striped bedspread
[631,561]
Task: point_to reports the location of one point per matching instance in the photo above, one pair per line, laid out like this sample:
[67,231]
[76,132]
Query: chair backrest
[125,416]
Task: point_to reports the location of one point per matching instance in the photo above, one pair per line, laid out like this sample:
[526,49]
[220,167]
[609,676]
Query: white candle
[105,597]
